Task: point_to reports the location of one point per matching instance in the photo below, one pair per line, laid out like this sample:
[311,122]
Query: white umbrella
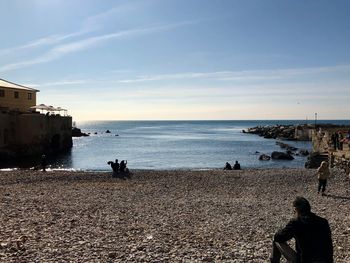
[40,107]
[52,108]
[60,109]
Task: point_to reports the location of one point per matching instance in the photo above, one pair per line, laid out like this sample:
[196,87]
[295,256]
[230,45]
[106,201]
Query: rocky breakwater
[288,153]
[286,132]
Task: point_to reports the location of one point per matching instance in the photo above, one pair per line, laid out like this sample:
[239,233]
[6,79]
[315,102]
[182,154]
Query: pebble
[159,216]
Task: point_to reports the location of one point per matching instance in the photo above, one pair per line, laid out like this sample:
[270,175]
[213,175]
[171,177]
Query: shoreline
[164,216]
[72,170]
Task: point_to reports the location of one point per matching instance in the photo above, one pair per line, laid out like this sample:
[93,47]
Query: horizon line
[308,120]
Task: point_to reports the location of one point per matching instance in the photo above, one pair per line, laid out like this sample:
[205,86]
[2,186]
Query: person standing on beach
[312,234]
[43,162]
[323,174]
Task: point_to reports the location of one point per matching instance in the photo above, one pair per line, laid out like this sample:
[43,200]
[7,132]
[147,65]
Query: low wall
[33,134]
[341,161]
[322,143]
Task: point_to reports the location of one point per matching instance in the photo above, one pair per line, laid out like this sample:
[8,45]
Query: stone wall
[322,140]
[322,144]
[33,134]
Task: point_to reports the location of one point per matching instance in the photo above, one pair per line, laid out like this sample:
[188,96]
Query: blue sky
[183,59]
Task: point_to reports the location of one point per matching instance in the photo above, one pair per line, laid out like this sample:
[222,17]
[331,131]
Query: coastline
[161,215]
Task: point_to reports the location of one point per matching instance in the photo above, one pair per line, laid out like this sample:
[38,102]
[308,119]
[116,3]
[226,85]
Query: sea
[164,145]
[168,145]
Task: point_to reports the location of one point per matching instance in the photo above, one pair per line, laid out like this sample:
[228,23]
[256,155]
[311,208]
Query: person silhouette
[228,166]
[237,166]
[312,234]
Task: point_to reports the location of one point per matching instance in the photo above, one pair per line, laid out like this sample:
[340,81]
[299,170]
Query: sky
[183,59]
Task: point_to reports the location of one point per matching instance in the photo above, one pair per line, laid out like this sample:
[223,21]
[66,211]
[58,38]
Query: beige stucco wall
[303,133]
[22,103]
[30,134]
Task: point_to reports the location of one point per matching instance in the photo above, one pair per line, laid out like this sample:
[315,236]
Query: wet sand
[160,216]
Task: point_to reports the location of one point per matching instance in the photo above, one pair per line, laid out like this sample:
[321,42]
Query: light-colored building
[25,132]
[15,97]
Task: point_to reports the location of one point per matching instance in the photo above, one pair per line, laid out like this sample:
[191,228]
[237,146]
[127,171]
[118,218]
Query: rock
[281,156]
[286,132]
[3,245]
[95,133]
[208,259]
[314,160]
[264,157]
[112,255]
[108,131]
[304,152]
[287,146]
[77,133]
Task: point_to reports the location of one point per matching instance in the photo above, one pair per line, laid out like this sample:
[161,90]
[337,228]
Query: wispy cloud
[90,24]
[239,75]
[223,76]
[87,43]
[119,11]
[45,41]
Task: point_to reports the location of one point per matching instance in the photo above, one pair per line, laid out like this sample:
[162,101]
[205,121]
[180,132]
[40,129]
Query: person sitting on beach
[123,166]
[237,166]
[312,234]
[228,166]
[124,170]
[323,174]
[115,167]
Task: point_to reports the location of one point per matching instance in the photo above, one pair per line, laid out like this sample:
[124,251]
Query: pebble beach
[160,216]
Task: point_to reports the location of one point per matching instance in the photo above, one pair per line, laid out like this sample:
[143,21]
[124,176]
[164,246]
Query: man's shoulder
[321,220]
[311,220]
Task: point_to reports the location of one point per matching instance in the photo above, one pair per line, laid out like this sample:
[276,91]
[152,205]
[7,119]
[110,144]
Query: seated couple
[119,170]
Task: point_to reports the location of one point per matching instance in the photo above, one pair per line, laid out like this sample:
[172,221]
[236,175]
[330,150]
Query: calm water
[174,145]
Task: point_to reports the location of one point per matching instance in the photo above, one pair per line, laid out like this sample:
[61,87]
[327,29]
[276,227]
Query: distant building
[26,132]
[14,97]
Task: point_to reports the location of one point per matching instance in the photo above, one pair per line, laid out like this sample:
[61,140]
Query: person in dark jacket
[122,166]
[228,166]
[115,167]
[236,166]
[312,236]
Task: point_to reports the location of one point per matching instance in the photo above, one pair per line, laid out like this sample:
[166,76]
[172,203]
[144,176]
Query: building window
[16,95]
[2,93]
[29,96]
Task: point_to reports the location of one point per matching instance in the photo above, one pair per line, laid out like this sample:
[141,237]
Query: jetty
[301,132]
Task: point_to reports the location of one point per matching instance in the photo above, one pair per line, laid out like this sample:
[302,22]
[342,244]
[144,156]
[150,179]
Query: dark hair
[302,205]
